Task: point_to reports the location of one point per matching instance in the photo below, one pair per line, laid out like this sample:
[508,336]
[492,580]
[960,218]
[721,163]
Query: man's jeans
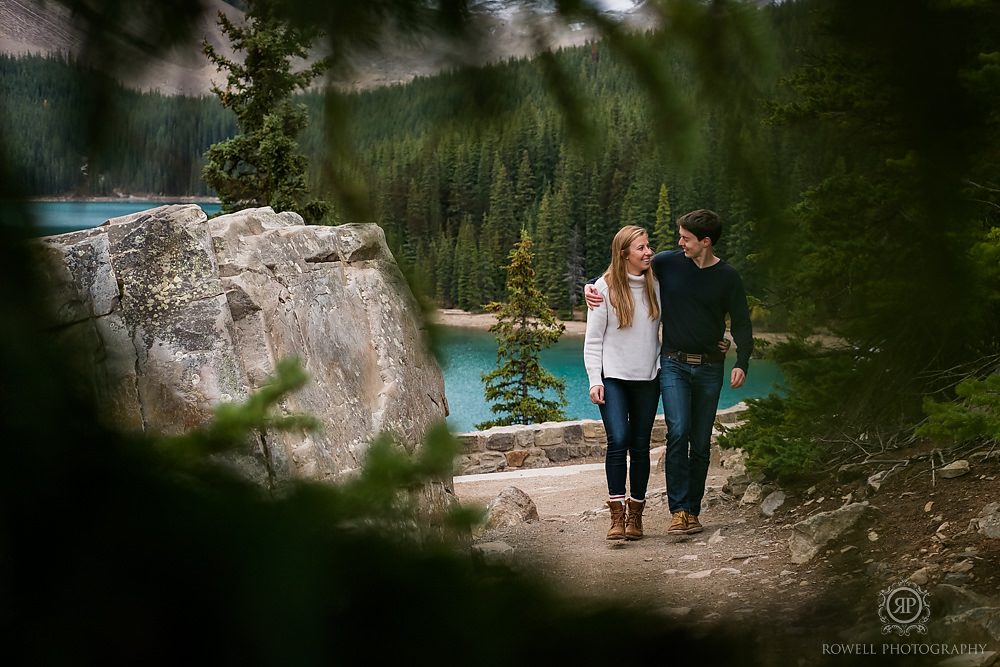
[690,400]
[628,413]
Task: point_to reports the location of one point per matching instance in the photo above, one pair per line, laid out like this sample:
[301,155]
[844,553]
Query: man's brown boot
[678,523]
[693,525]
[633,521]
[617,530]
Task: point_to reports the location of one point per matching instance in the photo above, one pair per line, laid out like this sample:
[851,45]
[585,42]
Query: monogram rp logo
[903,608]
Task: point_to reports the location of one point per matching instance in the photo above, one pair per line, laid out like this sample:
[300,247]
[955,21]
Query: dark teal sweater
[694,303]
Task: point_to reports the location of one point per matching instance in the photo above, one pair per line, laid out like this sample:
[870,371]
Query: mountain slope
[44,28]
[508,28]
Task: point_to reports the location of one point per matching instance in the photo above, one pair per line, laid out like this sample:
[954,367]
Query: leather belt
[697,359]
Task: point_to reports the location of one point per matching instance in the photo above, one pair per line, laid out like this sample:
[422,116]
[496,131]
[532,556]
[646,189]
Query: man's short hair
[702,223]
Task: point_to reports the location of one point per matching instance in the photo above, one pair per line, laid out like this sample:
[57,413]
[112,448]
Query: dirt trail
[739,565]
[738,574]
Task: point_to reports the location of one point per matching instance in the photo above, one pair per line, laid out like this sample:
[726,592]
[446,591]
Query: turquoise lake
[465,353]
[60,217]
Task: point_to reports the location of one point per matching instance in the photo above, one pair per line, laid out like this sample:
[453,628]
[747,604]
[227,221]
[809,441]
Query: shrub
[974,415]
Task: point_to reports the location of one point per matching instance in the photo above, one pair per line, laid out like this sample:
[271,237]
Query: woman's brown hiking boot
[617,530]
[633,521]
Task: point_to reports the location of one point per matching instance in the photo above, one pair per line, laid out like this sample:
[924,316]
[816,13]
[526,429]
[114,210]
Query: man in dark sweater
[697,291]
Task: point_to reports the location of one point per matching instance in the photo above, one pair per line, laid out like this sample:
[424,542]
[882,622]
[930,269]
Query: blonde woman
[621,354]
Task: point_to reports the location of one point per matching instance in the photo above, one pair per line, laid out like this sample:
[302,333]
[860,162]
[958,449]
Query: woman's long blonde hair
[617,278]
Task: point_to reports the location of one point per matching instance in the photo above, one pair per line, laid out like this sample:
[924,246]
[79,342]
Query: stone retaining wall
[550,444]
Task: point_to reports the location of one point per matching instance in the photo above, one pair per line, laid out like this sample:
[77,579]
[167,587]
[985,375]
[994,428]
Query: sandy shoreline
[137,198]
[450,317]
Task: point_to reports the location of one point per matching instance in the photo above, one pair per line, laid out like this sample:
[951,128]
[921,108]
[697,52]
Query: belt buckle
[693,359]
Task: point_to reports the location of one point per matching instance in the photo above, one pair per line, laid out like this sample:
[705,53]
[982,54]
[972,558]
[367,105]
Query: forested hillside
[451,186]
[452,197]
[150,143]
[855,170]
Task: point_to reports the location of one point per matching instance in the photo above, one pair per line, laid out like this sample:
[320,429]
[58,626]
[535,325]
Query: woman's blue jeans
[628,413]
[690,401]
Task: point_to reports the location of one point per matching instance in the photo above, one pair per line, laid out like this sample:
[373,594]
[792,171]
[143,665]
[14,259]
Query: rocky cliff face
[175,313]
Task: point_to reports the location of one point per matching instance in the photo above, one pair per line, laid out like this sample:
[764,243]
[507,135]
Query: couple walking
[690,291]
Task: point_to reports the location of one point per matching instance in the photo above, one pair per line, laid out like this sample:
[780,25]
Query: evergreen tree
[664,231]
[525,325]
[444,254]
[468,290]
[575,277]
[260,166]
[547,253]
[639,206]
[552,238]
[501,224]
[490,289]
[525,193]
[597,242]
[461,195]
[416,211]
[882,251]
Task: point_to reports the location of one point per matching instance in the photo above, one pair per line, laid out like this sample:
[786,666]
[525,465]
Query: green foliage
[973,416]
[260,166]
[888,249]
[155,557]
[501,225]
[574,276]
[552,248]
[161,552]
[389,492]
[499,173]
[865,206]
[779,435]
[468,294]
[234,421]
[431,162]
[156,146]
[525,325]
[664,232]
[768,442]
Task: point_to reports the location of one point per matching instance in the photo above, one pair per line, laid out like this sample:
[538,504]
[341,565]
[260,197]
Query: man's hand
[597,394]
[737,378]
[725,344]
[593,298]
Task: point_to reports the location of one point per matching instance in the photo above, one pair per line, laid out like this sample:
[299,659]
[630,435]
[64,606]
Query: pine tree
[260,166]
[525,325]
[597,241]
[468,291]
[501,224]
[663,232]
[490,289]
[639,205]
[575,277]
[546,253]
[461,199]
[444,255]
[524,195]
[553,235]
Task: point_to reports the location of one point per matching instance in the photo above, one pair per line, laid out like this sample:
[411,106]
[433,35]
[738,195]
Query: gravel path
[739,565]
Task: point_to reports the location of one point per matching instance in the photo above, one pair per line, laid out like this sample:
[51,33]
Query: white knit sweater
[625,354]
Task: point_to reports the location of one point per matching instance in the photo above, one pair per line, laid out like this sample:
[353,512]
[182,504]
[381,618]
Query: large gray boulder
[175,314]
[988,521]
[511,507]
[810,535]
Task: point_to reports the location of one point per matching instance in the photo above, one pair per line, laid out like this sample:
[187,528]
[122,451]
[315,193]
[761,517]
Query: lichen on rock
[179,313]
